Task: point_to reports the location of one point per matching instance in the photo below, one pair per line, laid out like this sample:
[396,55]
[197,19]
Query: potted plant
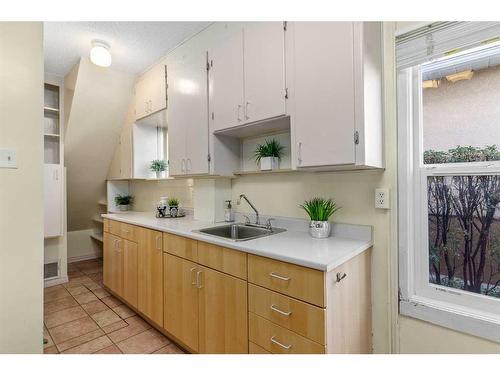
[158,166]
[173,206]
[320,210]
[123,202]
[268,155]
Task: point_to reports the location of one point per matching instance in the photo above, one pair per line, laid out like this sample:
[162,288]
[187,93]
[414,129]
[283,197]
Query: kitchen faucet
[257,221]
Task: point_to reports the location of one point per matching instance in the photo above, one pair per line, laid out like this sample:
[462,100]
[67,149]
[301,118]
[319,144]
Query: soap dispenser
[228,212]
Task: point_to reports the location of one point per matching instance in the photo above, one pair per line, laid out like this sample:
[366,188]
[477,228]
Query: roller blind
[441,38]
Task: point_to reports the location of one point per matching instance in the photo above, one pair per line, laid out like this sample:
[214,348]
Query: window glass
[464,232]
[461,108]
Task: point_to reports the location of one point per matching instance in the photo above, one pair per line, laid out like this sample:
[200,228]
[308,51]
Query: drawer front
[300,282]
[276,339]
[180,246]
[256,349]
[129,232]
[297,316]
[112,226]
[229,261]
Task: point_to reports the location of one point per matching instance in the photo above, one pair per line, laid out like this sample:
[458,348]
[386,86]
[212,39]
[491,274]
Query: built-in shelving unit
[51,125]
[97,237]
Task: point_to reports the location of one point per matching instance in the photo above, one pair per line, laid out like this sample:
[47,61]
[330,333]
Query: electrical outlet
[8,158]
[382,198]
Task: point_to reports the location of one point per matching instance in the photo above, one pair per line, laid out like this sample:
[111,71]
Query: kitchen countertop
[293,246]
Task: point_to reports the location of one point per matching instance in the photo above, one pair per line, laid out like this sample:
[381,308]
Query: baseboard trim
[79,258]
[56,281]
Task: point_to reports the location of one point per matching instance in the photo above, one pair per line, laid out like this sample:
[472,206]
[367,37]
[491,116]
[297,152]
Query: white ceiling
[134,45]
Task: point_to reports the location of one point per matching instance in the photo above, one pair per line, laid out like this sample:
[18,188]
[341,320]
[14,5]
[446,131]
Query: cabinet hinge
[286,93]
[213,116]
[356,137]
[209,158]
[284,25]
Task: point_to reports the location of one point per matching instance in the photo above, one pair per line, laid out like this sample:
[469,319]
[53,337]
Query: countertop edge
[234,245]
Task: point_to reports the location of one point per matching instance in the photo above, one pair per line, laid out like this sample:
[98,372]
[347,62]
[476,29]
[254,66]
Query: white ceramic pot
[320,229]
[123,207]
[160,174]
[268,163]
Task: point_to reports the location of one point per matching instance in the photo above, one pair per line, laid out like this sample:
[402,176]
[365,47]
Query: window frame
[453,308]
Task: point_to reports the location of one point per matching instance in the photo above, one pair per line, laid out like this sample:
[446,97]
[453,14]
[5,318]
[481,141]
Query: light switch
[8,158]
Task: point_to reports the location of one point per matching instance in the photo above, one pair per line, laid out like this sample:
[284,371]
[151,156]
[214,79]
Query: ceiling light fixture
[99,54]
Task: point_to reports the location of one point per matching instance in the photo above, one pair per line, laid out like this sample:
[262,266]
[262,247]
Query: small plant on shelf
[123,202]
[268,155]
[320,210]
[158,166]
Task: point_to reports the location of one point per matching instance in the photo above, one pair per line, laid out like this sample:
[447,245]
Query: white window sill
[452,317]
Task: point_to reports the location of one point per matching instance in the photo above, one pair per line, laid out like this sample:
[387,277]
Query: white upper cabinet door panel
[264,65]
[141,103]
[227,80]
[192,105]
[188,115]
[158,91]
[323,93]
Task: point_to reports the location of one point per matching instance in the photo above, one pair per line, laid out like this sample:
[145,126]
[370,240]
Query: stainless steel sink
[240,231]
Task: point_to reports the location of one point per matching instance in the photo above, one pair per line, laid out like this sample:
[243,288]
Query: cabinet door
[157,97]
[180,300]
[141,98]
[323,92]
[130,272]
[264,61]
[107,258]
[188,115]
[223,313]
[150,275]
[53,200]
[226,77]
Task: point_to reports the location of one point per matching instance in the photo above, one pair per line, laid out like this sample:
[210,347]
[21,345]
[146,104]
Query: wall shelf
[97,237]
[102,203]
[98,220]
[245,173]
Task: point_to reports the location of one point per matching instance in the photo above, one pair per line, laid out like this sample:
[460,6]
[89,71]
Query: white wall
[21,190]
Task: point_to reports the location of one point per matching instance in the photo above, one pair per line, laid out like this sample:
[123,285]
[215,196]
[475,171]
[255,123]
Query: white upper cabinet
[334,84]
[226,87]
[188,115]
[264,62]
[248,74]
[151,91]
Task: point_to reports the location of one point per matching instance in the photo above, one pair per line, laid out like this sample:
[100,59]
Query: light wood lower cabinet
[223,313]
[130,278]
[180,300]
[150,275]
[113,260]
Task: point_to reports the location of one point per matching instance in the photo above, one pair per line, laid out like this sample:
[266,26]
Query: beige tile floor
[82,317]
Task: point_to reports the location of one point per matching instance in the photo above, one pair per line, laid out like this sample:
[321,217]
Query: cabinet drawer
[129,232]
[256,349]
[181,246]
[276,339]
[300,282]
[297,316]
[112,226]
[229,261]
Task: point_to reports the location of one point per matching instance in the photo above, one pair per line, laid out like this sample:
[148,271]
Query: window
[449,142]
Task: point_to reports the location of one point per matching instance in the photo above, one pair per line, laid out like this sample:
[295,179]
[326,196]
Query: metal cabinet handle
[299,156]
[199,285]
[246,111]
[273,339]
[189,165]
[341,276]
[193,281]
[125,230]
[274,308]
[272,274]
[183,165]
[239,109]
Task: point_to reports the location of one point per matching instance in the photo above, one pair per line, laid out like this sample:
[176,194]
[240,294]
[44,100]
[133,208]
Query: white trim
[55,281]
[80,258]
[436,304]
